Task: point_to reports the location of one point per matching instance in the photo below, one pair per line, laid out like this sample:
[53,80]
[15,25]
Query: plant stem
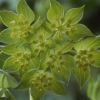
[30,94]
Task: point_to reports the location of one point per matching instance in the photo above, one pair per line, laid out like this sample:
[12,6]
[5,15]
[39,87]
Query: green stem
[30,94]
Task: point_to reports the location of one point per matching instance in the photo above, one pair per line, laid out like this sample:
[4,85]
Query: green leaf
[6,80]
[37,24]
[96,90]
[37,94]
[5,37]
[74,15]
[78,31]
[23,8]
[95,59]
[3,57]
[58,88]
[8,17]
[56,12]
[87,44]
[90,88]
[92,42]
[81,75]
[42,32]
[78,45]
[63,74]
[8,49]
[5,94]
[67,47]
[59,38]
[69,61]
[26,80]
[9,65]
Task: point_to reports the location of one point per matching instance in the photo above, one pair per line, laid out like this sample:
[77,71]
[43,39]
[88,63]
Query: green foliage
[94,89]
[44,53]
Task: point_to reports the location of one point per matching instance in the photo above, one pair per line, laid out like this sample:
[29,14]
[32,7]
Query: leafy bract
[89,43]
[3,57]
[81,75]
[8,49]
[23,8]
[6,80]
[5,94]
[95,60]
[78,31]
[37,95]
[58,88]
[94,89]
[8,18]
[5,37]
[55,12]
[39,81]
[9,65]
[74,15]
[63,74]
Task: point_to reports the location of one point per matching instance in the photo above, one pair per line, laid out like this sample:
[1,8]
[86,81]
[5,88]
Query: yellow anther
[58,69]
[26,22]
[61,63]
[69,21]
[59,53]
[62,19]
[40,37]
[13,35]
[13,22]
[90,55]
[72,30]
[78,56]
[53,25]
[67,32]
[21,17]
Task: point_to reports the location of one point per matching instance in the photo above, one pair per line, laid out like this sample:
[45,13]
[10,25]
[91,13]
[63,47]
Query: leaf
[69,61]
[26,80]
[37,24]
[95,59]
[63,74]
[37,94]
[78,45]
[56,12]
[58,88]
[74,15]
[23,8]
[96,90]
[3,57]
[90,88]
[6,80]
[5,94]
[9,65]
[59,38]
[8,17]
[43,63]
[78,31]
[5,37]
[42,32]
[8,49]
[67,47]
[87,44]
[81,75]
[92,42]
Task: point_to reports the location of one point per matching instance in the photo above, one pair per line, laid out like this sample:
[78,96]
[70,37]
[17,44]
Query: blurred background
[91,19]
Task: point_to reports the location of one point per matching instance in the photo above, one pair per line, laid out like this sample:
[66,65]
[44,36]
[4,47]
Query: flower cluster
[44,53]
